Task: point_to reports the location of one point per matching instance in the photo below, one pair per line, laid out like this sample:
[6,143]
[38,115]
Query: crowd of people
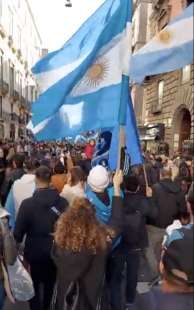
[81,230]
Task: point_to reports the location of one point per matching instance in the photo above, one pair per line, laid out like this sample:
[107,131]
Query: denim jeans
[2,295]
[130,258]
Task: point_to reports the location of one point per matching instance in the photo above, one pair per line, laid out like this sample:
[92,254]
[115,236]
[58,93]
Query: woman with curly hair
[82,244]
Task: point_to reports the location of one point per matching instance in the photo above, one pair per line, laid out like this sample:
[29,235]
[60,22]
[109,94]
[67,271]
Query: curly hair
[78,229]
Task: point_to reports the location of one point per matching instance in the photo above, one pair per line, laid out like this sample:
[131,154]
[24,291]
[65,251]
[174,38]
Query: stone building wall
[176,105]
[177,97]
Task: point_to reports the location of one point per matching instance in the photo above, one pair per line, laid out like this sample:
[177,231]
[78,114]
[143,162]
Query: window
[17,80]
[32,93]
[1,66]
[19,38]
[0,9]
[160,92]
[11,79]
[6,70]
[26,94]
[1,107]
[186,74]
[20,85]
[1,131]
[10,22]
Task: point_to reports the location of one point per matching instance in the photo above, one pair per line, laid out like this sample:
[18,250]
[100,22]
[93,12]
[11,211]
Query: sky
[56,23]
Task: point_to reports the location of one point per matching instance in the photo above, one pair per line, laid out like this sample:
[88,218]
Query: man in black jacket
[36,219]
[177,272]
[137,208]
[170,202]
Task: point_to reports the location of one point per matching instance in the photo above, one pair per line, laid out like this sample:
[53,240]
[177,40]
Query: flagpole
[145,175]
[120,145]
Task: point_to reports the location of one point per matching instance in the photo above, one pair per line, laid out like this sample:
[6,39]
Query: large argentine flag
[171,49]
[81,83]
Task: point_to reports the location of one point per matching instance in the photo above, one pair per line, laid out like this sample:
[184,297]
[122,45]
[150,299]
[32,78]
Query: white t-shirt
[169,230]
[71,192]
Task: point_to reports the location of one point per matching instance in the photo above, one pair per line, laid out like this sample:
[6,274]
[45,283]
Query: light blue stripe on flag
[84,113]
[60,71]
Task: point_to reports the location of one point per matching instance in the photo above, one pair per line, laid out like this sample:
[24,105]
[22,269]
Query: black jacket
[170,201]
[137,210]
[85,268]
[36,219]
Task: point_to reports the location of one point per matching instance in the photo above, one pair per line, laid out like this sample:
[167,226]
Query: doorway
[182,129]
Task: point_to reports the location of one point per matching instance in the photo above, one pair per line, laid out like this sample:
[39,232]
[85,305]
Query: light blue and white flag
[81,83]
[171,49]
[133,147]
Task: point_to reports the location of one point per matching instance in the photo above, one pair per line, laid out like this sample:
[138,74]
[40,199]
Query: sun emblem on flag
[93,78]
[165,36]
[97,73]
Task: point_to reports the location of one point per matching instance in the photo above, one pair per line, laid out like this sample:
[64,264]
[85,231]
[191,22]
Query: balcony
[5,117]
[2,32]
[28,106]
[10,41]
[26,65]
[14,50]
[23,101]
[22,121]
[14,118]
[19,54]
[14,94]
[4,88]
[156,108]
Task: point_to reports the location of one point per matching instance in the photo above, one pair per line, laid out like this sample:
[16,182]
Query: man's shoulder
[63,202]
[27,203]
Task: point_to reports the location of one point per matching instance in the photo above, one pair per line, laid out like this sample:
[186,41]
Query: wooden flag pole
[145,175]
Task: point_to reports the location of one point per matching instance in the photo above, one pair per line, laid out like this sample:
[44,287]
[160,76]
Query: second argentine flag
[169,50]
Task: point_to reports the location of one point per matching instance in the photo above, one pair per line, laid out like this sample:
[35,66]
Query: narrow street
[143,289]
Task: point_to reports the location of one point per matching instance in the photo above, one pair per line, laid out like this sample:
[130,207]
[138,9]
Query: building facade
[20,48]
[141,31]
[168,98]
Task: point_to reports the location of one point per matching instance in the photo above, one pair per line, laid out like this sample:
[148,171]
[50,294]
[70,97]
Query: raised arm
[116,220]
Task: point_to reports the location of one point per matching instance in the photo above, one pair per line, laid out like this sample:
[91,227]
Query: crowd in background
[82,230]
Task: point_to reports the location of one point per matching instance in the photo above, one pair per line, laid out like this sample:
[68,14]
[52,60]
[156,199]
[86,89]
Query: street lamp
[68,3]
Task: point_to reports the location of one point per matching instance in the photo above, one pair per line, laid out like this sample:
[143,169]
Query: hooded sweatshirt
[170,201]
[36,219]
